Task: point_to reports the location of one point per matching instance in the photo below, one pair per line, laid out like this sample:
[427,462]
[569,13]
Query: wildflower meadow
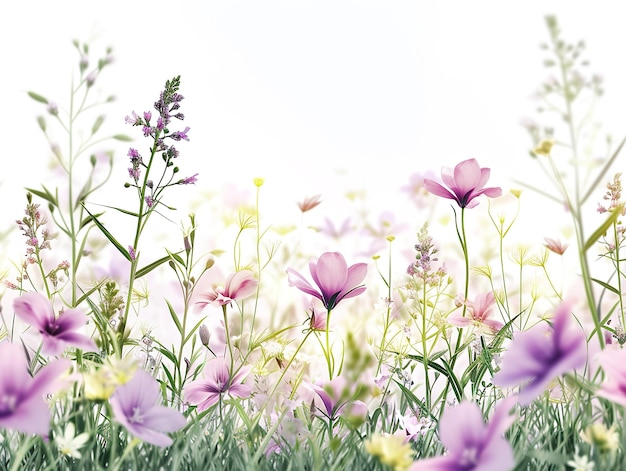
[458,340]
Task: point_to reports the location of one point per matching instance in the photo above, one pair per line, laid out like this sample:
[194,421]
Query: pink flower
[217,381]
[22,406]
[465,183]
[478,315]
[309,203]
[472,445]
[333,278]
[543,353]
[137,406]
[614,386]
[239,285]
[555,246]
[57,332]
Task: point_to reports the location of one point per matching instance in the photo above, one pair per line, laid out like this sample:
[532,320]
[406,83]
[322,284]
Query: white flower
[69,444]
[581,463]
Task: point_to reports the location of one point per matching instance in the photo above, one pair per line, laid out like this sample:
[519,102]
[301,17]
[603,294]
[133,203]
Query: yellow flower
[392,450]
[544,147]
[606,440]
[100,384]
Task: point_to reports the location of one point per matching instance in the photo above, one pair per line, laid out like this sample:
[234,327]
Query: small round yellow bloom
[392,450]
[258,181]
[544,147]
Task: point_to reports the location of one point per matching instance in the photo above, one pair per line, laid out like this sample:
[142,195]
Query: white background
[314,96]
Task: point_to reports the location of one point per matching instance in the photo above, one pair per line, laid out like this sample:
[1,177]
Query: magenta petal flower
[137,406]
[22,406]
[541,354]
[465,183]
[217,380]
[335,281]
[238,285]
[57,332]
[472,445]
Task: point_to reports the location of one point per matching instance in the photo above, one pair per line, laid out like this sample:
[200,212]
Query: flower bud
[205,335]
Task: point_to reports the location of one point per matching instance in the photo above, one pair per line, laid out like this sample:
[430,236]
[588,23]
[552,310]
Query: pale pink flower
[478,315]
[613,363]
[465,183]
[555,246]
[239,285]
[309,203]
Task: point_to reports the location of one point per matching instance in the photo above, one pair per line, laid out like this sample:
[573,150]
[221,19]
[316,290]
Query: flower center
[137,417]
[469,457]
[8,403]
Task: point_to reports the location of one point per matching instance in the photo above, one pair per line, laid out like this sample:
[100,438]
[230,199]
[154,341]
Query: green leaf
[174,317]
[122,137]
[46,195]
[109,236]
[97,124]
[607,286]
[37,97]
[148,268]
[604,227]
[605,168]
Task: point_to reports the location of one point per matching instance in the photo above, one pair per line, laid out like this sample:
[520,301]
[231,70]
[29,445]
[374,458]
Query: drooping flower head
[57,332]
[541,354]
[217,381]
[473,445]
[465,183]
[137,406]
[239,285]
[335,281]
[22,406]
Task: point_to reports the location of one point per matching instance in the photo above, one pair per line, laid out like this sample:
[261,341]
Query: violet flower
[466,182]
[541,354]
[22,406]
[57,332]
[333,277]
[473,445]
[239,285]
[338,399]
[217,381]
[137,406]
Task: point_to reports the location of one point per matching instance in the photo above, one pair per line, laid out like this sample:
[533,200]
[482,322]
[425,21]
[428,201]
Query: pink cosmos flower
[543,353]
[472,445]
[22,406]
[466,182]
[57,332]
[333,278]
[478,315]
[137,406]
[238,285]
[217,381]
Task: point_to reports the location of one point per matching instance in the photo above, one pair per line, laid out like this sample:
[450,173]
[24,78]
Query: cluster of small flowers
[426,252]
[613,195]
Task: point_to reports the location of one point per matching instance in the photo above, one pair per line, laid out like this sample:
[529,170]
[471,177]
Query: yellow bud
[258,181]
[544,147]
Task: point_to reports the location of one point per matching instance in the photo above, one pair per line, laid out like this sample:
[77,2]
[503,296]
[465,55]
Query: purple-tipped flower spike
[57,332]
[473,445]
[137,406]
[541,354]
[333,278]
[22,406]
[466,182]
[217,380]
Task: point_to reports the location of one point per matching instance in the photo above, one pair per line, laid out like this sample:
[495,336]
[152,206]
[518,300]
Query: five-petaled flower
[22,406]
[465,183]
[218,380]
[239,285]
[479,314]
[137,406]
[541,354]
[333,278]
[57,332]
[472,445]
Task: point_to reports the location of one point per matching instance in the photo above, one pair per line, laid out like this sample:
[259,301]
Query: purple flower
[178,135]
[217,380]
[57,332]
[543,353]
[472,445]
[465,183]
[22,406]
[338,399]
[132,120]
[333,277]
[239,285]
[189,180]
[137,406]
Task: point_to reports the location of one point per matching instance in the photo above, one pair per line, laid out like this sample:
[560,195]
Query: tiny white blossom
[68,444]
